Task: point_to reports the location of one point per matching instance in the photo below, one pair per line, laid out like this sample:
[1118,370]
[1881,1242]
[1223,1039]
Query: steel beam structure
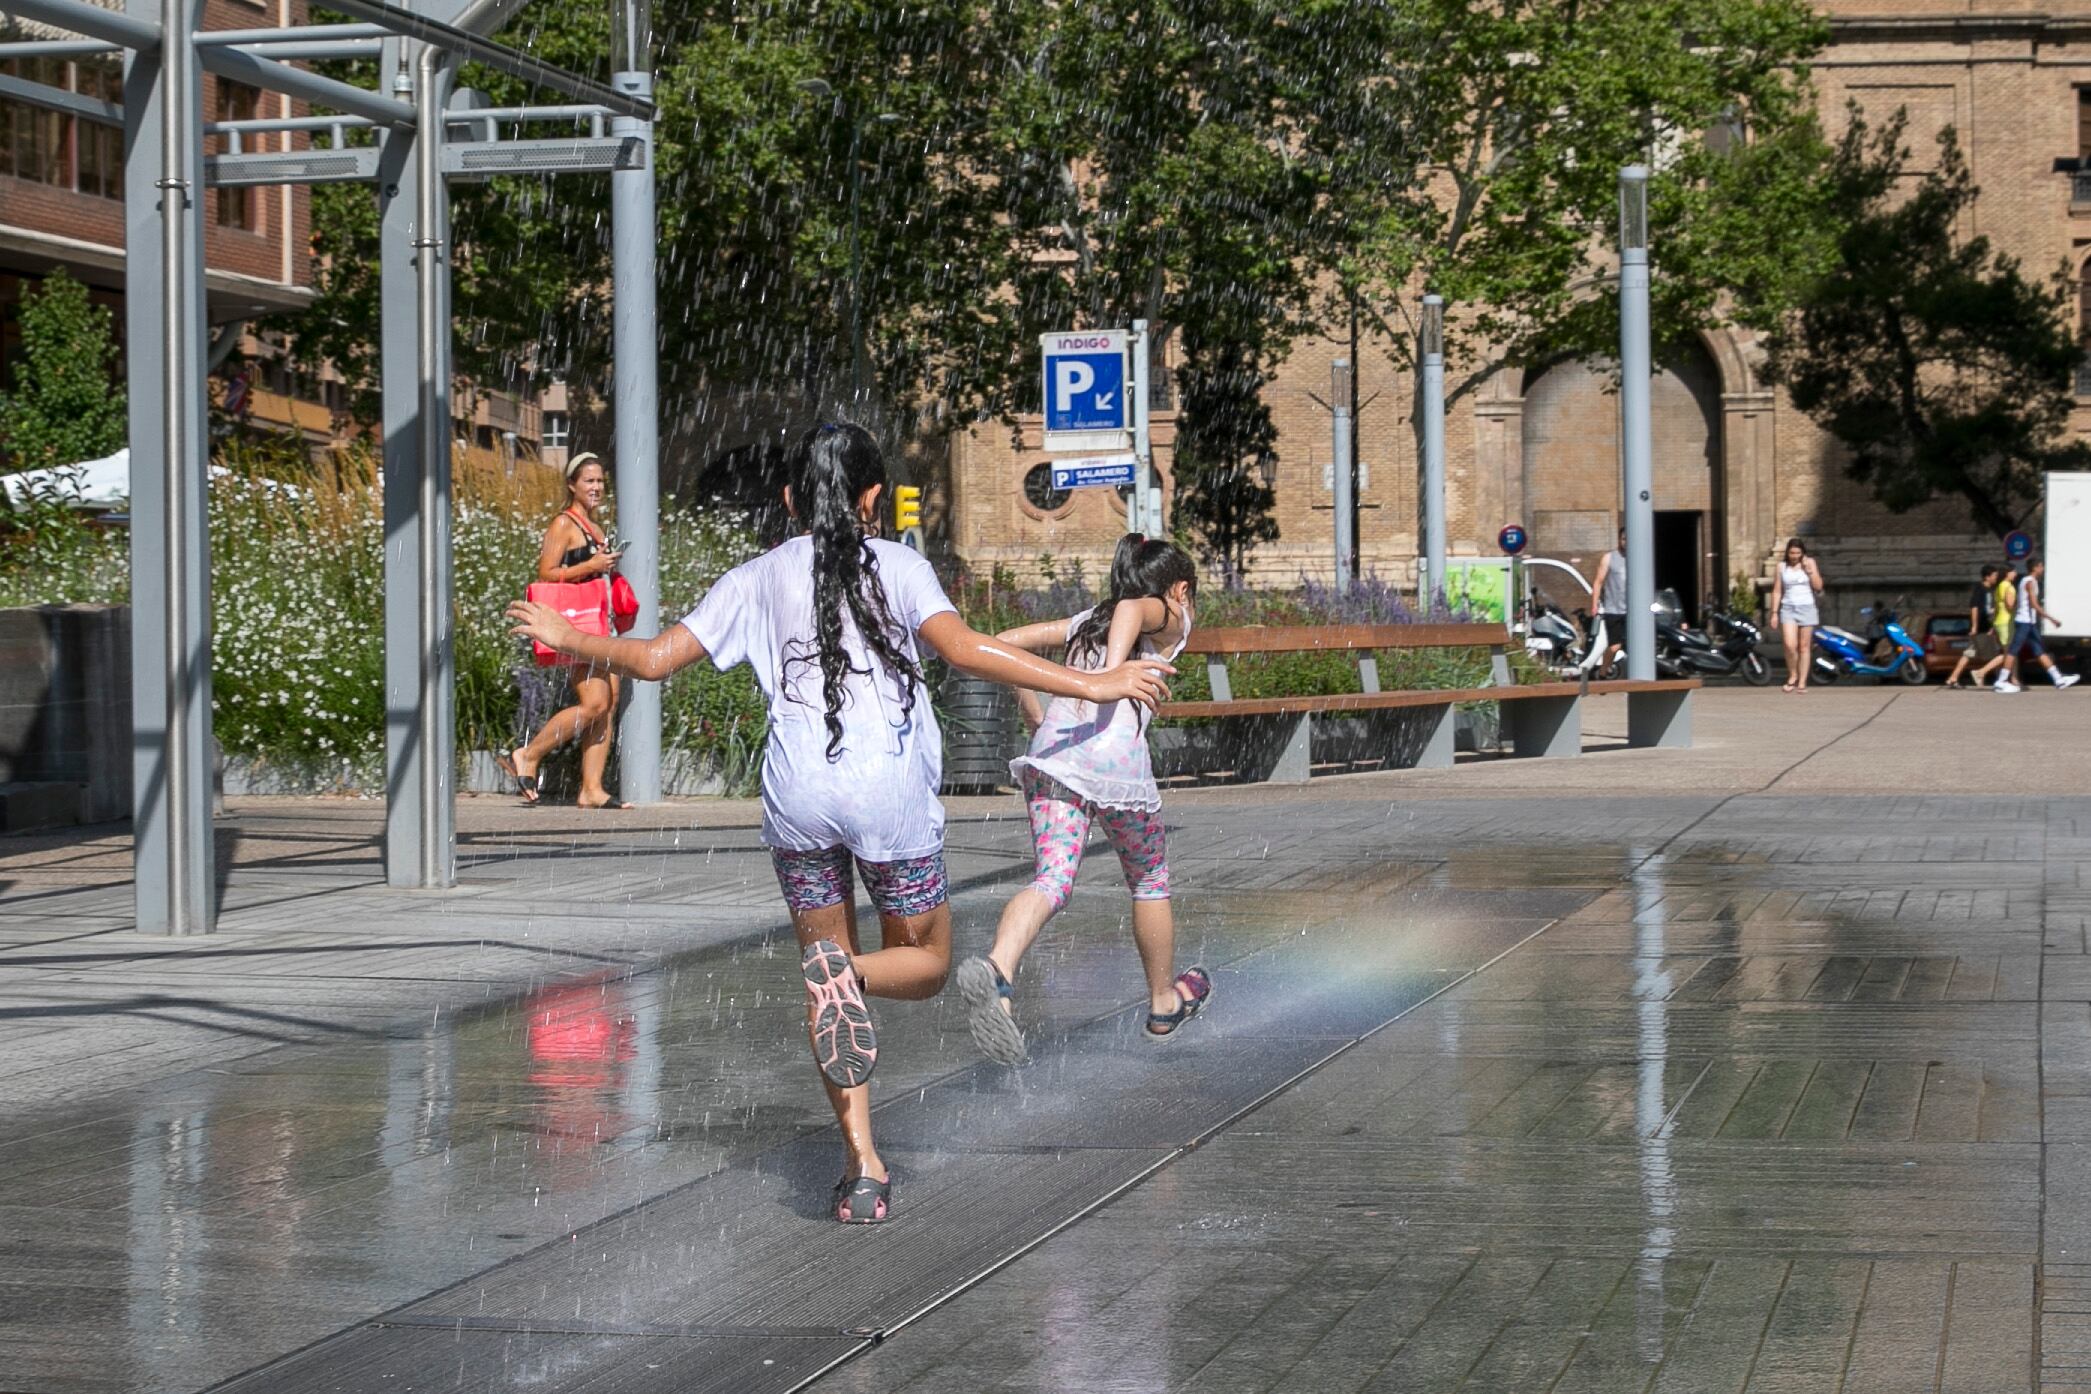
[174,877]
[459,41]
[635,392]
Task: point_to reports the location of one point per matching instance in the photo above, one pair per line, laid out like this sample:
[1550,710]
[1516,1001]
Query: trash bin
[983,732]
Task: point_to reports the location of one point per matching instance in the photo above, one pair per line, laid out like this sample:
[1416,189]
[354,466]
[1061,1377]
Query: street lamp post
[1636,434]
[1345,481]
[1433,449]
[635,392]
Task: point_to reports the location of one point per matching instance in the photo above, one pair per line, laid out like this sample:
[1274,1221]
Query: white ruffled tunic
[1098,751]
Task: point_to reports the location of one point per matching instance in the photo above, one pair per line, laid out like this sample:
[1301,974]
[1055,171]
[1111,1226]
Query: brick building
[1737,469]
[61,205]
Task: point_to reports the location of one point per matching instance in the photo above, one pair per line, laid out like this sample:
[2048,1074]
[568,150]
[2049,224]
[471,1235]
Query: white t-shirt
[878,796]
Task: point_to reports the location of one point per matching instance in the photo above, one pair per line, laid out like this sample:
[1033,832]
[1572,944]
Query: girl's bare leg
[1022,919]
[595,750]
[911,964]
[591,704]
[1804,645]
[1154,934]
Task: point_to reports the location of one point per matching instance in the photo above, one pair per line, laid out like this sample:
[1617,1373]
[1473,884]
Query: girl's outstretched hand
[542,623]
[1142,680]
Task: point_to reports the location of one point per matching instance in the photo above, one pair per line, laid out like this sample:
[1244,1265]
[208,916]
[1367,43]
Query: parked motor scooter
[1565,645]
[1885,651]
[1727,645]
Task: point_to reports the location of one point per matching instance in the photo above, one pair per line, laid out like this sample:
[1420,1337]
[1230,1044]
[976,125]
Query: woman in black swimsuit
[575,549]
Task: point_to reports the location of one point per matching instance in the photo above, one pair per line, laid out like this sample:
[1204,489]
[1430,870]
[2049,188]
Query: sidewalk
[1681,1070]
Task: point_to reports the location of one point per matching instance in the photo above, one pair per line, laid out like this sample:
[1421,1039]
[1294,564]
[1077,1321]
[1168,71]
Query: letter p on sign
[1071,378]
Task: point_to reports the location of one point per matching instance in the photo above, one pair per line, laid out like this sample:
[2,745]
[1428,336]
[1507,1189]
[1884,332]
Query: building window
[99,147]
[2083,331]
[1040,493]
[237,207]
[33,141]
[557,430]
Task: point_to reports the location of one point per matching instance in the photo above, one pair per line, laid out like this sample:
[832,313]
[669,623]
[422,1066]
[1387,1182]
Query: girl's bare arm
[1129,621]
[1036,638]
[672,650]
[981,656]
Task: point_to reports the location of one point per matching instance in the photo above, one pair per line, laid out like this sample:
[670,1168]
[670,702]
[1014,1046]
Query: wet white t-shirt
[878,795]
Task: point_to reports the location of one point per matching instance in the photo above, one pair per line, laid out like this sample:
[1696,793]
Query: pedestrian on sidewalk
[1609,587]
[1983,650]
[830,622]
[1089,764]
[2025,633]
[1796,592]
[576,549]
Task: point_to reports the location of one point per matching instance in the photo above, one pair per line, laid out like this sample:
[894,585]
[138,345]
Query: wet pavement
[1696,1092]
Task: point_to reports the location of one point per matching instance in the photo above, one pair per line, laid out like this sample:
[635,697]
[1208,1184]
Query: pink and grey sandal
[845,1044]
[859,1200]
[1193,990]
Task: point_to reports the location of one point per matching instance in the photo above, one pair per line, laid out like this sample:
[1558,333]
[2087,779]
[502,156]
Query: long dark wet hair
[829,471]
[1143,568]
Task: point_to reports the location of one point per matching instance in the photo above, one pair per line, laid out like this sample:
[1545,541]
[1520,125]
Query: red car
[1945,638]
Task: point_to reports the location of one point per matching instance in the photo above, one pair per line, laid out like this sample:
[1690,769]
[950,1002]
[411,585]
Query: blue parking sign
[1085,380]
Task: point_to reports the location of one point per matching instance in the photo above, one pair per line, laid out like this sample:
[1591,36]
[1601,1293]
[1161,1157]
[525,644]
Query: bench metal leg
[1294,761]
[1659,718]
[1439,727]
[1544,726]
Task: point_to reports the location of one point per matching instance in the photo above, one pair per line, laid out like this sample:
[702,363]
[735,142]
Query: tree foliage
[1941,367]
[1224,439]
[68,402]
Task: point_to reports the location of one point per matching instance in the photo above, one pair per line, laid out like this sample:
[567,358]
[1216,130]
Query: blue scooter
[1885,651]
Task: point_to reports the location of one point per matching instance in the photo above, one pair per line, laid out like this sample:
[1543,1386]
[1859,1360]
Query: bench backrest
[1361,639]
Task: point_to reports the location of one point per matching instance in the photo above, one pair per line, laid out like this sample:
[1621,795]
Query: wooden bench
[1540,719]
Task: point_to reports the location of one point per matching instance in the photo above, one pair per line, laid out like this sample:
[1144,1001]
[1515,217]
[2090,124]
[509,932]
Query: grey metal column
[1141,513]
[1345,480]
[1636,438]
[399,217]
[434,793]
[1433,407]
[635,393]
[170,566]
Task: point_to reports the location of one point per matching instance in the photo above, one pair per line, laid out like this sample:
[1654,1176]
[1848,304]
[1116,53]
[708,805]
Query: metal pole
[1346,500]
[1142,515]
[1636,433]
[432,283]
[399,223]
[170,640]
[635,391]
[1433,448]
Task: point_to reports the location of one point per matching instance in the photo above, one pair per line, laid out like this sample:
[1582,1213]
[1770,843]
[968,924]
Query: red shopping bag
[585,603]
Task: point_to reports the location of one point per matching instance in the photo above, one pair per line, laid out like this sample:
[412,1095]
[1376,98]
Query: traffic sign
[1095,472]
[1085,381]
[1512,539]
[2018,546]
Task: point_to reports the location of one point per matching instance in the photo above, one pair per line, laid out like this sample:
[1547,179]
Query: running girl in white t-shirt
[1089,763]
[829,622]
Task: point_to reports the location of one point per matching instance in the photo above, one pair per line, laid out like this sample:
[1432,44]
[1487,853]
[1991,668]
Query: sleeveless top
[1613,601]
[1098,752]
[1797,589]
[2028,592]
[589,546]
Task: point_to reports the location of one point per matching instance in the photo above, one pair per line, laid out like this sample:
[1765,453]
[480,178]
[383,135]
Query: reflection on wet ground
[1745,1097]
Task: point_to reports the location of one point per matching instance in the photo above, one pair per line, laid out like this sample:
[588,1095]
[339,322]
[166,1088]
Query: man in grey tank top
[1610,588]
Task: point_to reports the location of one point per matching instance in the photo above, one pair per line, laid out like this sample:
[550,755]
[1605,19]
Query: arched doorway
[1571,467]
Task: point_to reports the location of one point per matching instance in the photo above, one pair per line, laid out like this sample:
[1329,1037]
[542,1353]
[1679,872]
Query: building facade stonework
[1737,468]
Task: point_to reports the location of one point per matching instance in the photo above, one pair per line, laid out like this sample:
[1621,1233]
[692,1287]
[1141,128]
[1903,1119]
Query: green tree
[1224,440]
[1474,150]
[67,405]
[1941,367]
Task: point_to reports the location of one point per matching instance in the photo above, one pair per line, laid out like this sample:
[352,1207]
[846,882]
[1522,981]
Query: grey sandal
[984,990]
[859,1200]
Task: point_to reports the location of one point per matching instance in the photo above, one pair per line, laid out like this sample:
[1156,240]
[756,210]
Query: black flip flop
[616,804]
[526,784]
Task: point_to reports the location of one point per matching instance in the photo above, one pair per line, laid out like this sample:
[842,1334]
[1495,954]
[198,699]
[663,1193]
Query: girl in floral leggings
[1088,763]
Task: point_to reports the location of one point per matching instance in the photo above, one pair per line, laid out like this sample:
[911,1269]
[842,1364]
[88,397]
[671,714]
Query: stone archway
[1569,447]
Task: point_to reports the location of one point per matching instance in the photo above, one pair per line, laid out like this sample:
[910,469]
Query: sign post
[1143,509]
[1095,383]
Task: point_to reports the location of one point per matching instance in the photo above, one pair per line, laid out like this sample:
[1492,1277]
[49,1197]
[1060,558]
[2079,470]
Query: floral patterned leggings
[1060,821]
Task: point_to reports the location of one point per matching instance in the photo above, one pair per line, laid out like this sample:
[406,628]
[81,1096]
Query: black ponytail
[1143,568]
[829,472]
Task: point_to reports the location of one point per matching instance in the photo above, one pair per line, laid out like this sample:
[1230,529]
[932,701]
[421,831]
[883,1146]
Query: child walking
[830,622]
[1089,763]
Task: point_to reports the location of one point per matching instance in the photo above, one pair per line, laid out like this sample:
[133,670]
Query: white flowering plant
[298,600]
